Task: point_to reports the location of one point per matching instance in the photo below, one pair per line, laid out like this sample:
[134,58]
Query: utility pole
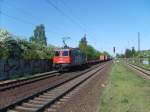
[139,41]
[114,51]
[139,46]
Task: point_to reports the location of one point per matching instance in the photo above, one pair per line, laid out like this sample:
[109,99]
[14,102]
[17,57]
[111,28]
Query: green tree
[92,53]
[133,52]
[128,53]
[120,55]
[39,35]
[89,50]
[83,44]
[3,35]
[97,55]
[9,46]
[13,48]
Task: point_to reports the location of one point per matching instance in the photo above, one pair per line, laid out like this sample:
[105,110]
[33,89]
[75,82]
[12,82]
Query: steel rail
[36,96]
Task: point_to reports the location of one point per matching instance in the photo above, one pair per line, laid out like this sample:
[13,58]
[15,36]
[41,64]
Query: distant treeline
[15,47]
[132,53]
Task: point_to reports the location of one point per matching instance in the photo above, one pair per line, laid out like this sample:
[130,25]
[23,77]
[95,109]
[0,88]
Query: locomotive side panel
[67,58]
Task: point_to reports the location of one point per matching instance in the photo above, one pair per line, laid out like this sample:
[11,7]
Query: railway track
[22,81]
[145,72]
[40,101]
[17,94]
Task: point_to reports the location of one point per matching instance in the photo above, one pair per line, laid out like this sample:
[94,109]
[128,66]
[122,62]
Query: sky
[106,23]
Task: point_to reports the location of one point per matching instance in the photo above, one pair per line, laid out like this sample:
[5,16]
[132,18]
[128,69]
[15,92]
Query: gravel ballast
[87,98]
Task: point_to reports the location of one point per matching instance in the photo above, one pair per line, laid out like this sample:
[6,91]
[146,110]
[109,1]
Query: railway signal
[114,49]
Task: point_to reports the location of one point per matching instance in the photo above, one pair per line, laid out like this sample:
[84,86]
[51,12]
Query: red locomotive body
[69,57]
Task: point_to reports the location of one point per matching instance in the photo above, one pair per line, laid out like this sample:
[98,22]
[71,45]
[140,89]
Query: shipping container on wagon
[103,57]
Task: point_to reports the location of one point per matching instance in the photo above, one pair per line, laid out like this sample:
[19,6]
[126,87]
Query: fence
[17,68]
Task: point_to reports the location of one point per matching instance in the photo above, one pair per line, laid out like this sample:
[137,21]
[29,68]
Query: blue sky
[107,23]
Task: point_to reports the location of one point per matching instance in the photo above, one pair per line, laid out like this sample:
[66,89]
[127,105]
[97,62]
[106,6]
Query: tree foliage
[92,53]
[129,53]
[89,50]
[9,47]
[39,35]
[36,48]
[83,44]
[21,48]
[120,55]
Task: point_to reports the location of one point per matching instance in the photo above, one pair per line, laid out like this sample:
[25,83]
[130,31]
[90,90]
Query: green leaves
[39,35]
[89,50]
[21,48]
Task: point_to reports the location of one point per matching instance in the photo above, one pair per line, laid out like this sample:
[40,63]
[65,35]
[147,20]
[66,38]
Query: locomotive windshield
[56,53]
[65,53]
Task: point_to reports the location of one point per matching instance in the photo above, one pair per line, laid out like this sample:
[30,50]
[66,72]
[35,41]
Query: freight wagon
[104,58]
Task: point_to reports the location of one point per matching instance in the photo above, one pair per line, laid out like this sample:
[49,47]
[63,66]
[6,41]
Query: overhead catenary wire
[16,18]
[22,20]
[29,14]
[76,18]
[25,13]
[20,10]
[64,14]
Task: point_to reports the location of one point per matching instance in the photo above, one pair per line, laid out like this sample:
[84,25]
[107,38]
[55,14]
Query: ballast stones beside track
[46,99]
[84,98]
[5,85]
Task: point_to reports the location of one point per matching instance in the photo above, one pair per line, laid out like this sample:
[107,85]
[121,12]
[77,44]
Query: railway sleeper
[25,109]
[45,96]
[38,102]
[31,105]
[48,95]
[52,110]
[12,111]
[41,99]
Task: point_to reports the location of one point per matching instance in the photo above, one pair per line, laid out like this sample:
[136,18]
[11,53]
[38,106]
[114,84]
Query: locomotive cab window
[56,53]
[65,53]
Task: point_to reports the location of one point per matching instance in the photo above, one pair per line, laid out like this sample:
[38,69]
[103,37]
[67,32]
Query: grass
[125,92]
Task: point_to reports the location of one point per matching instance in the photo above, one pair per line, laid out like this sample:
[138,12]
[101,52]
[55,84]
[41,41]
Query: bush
[22,49]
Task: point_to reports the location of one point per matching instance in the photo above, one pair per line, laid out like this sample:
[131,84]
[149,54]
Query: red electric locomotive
[68,57]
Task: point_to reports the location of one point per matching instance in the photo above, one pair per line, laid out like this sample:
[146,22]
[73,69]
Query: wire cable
[17,19]
[64,14]
[69,9]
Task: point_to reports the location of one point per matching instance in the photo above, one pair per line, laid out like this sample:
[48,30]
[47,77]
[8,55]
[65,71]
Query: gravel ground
[9,96]
[87,98]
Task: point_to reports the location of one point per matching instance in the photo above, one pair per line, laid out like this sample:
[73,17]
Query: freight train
[70,57]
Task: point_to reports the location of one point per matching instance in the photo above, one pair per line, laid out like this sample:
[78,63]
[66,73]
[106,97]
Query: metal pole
[139,46]
[139,41]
